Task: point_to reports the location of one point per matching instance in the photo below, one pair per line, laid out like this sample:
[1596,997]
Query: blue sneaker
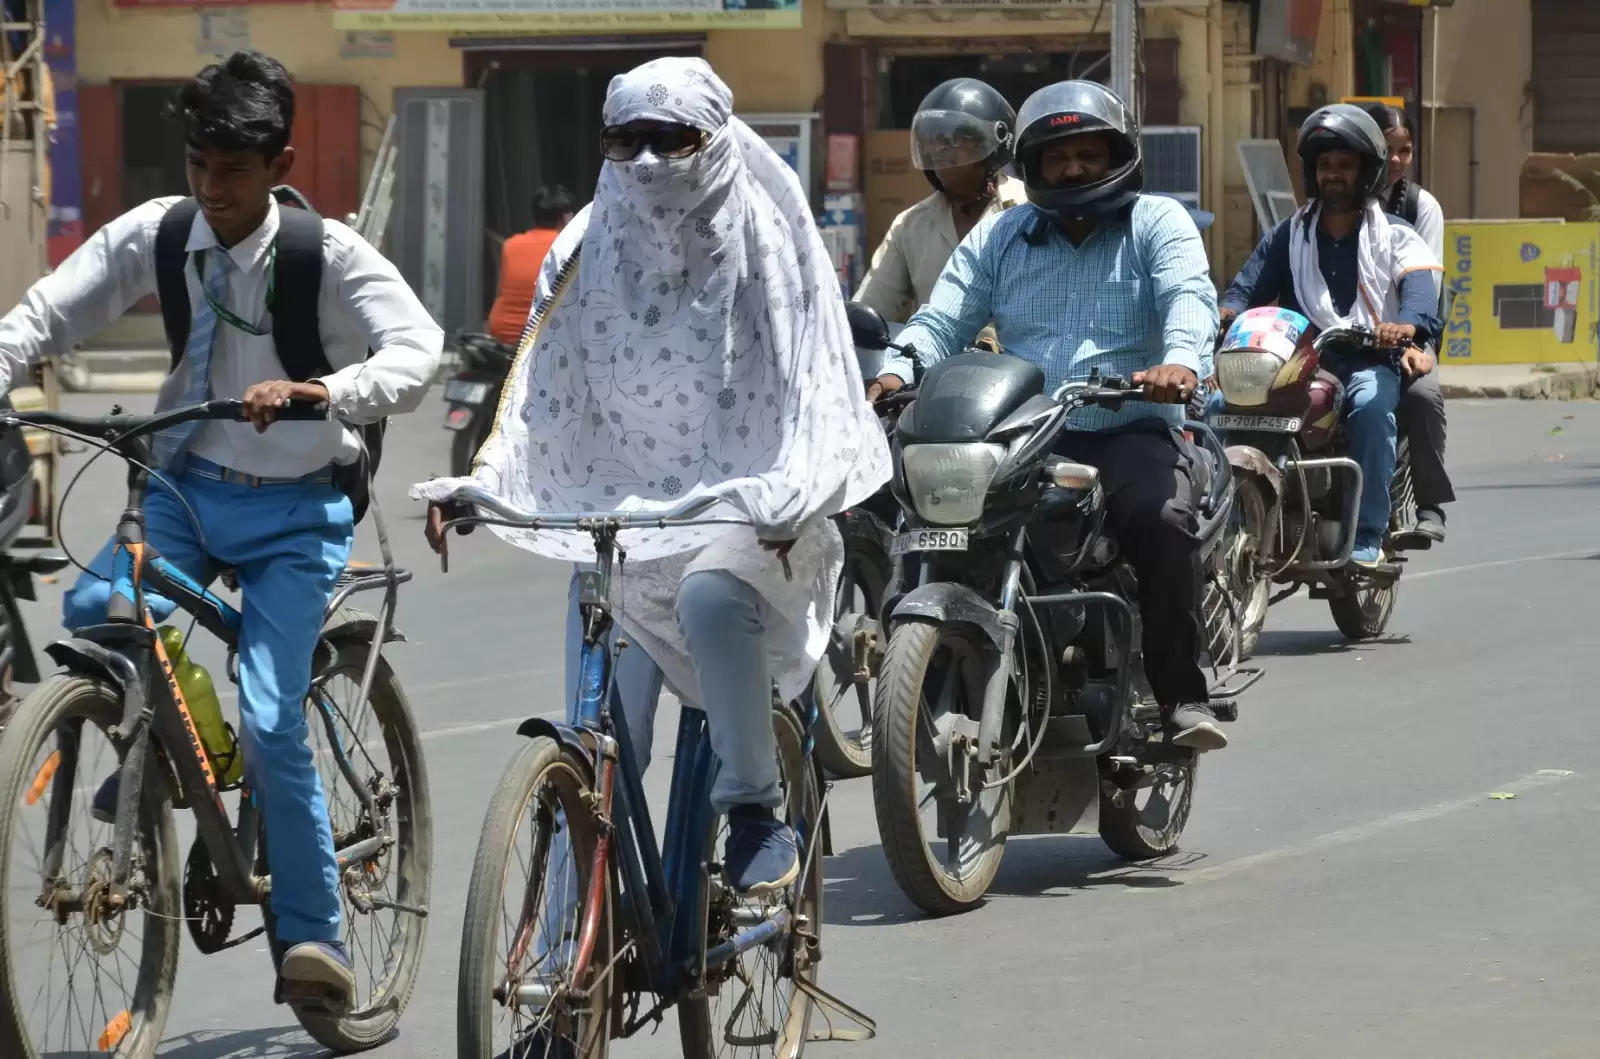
[318,977]
[761,855]
[1369,557]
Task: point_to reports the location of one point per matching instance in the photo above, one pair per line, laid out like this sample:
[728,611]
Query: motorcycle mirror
[868,328]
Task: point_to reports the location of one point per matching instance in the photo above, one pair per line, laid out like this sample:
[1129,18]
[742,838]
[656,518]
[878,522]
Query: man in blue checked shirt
[1095,275]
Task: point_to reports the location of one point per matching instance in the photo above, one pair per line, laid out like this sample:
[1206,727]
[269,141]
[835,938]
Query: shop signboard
[1524,292]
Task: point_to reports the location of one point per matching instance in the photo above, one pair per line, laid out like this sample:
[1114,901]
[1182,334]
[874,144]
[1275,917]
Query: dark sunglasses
[622,143]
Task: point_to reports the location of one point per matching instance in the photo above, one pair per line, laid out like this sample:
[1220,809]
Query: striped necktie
[172,444]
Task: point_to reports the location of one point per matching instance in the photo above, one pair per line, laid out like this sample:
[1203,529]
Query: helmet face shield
[946,139]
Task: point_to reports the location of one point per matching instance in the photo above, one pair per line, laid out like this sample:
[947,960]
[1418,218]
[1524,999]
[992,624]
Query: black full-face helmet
[1072,108]
[960,123]
[1345,127]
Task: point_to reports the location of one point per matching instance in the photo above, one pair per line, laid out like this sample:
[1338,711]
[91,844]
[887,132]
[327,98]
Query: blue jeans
[724,620]
[1372,393]
[288,544]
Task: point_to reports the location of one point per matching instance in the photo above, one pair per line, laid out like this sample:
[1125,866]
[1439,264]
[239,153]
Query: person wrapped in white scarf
[1341,260]
[689,338]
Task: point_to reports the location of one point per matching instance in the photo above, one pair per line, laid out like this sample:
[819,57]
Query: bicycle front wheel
[84,970]
[751,1006]
[520,994]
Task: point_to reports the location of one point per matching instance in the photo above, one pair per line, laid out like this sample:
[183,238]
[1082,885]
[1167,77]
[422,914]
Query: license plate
[929,540]
[466,391]
[1276,424]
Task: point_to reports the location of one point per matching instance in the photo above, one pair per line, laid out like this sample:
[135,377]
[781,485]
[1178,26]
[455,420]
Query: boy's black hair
[552,204]
[243,104]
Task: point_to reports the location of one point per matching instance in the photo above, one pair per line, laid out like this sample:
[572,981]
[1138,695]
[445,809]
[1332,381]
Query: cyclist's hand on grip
[1395,336]
[1167,383]
[265,402]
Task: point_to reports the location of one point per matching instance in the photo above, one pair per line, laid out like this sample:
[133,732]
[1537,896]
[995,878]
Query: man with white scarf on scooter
[1341,260]
[688,337]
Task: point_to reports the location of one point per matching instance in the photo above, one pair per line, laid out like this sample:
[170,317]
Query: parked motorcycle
[847,673]
[473,396]
[19,498]
[1012,699]
[1280,414]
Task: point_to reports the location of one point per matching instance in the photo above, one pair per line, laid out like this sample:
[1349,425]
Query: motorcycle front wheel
[943,845]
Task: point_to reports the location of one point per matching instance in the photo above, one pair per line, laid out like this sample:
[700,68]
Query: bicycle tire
[373,1024]
[696,1025]
[55,700]
[844,756]
[480,965]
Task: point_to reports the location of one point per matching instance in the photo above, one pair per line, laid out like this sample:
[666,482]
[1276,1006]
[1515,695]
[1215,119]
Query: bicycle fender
[565,734]
[948,603]
[92,659]
[350,622]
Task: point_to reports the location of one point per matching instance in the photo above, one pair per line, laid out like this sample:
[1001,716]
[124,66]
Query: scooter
[473,396]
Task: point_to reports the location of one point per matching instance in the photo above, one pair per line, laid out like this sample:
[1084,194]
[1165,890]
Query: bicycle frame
[127,652]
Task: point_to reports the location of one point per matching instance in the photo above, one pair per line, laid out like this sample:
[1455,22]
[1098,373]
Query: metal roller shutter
[1566,75]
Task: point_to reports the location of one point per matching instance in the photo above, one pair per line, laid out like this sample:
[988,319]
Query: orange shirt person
[520,261]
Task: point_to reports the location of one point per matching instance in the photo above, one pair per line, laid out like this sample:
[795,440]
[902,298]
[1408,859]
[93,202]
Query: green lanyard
[225,314]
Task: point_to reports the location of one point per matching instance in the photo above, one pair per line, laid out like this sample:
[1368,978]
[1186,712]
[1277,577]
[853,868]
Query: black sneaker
[1430,524]
[761,855]
[1195,726]
[318,977]
[103,807]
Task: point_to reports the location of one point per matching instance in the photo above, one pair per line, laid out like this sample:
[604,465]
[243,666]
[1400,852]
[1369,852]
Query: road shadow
[860,890]
[283,1042]
[1305,643]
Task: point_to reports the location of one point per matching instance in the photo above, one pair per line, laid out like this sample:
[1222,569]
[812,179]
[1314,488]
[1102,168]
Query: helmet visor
[945,139]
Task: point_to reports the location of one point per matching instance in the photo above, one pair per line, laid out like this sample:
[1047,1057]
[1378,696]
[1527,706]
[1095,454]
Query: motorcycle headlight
[947,483]
[1245,375]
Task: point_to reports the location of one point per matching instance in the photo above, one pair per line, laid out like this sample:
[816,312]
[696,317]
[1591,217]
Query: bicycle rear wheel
[383,894]
[81,972]
[750,1006]
[525,906]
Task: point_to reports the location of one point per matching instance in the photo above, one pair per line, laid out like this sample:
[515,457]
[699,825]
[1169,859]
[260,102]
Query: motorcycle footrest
[1225,710]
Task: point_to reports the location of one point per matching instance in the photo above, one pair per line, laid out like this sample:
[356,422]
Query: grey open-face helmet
[1345,127]
[1072,108]
[962,122]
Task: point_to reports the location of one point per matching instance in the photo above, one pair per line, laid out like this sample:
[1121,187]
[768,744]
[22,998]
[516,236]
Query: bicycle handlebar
[684,514]
[121,426]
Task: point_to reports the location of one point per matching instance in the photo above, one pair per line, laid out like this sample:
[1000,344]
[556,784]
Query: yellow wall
[1485,52]
[1332,74]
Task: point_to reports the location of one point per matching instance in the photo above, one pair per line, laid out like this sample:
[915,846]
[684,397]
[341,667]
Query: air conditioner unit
[1172,161]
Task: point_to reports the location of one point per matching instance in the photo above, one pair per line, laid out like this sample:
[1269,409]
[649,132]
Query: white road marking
[1360,832]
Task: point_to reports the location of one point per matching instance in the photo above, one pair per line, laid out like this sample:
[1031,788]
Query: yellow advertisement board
[1524,292]
[565,16]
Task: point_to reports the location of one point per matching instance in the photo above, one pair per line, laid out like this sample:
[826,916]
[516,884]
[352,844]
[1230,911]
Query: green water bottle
[205,709]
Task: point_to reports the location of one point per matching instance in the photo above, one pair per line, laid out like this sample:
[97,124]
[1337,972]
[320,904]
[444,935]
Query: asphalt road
[1348,886]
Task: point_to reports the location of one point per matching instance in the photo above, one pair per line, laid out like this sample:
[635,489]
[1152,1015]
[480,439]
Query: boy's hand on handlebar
[1395,336]
[1416,362]
[265,400]
[1167,383]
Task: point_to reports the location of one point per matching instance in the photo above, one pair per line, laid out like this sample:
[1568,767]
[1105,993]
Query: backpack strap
[297,284]
[1413,203]
[172,241]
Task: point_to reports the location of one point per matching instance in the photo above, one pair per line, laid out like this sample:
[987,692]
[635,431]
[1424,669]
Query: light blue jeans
[1372,393]
[724,621]
[288,544]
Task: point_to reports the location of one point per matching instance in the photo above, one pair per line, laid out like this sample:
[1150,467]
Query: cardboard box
[892,184]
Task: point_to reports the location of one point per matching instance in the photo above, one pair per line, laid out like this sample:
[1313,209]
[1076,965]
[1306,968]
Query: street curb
[1568,383]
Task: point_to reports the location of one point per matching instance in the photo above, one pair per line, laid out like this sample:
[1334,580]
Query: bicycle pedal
[315,998]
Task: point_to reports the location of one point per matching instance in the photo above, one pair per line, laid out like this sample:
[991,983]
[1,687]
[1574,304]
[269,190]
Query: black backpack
[1406,206]
[296,329]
